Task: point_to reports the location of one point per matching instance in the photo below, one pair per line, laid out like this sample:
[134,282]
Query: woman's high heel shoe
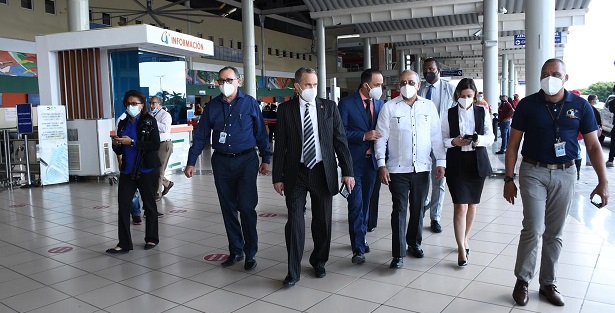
[463,262]
[468,252]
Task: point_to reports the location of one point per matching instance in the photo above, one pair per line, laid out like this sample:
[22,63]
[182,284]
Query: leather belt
[234,155]
[558,166]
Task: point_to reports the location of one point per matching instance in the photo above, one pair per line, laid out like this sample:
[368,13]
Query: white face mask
[133,110]
[309,94]
[375,93]
[480,98]
[465,102]
[407,91]
[227,89]
[551,85]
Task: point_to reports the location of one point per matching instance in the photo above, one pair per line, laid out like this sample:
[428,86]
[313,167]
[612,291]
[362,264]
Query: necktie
[368,111]
[309,145]
[428,95]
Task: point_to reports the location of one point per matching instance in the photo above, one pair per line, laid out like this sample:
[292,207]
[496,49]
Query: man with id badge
[551,118]
[235,124]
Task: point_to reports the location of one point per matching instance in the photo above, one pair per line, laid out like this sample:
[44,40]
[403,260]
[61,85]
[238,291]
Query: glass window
[239,45]
[211,38]
[292,55]
[123,20]
[277,52]
[310,57]
[106,18]
[230,44]
[221,42]
[3,1]
[50,6]
[269,50]
[26,4]
[283,53]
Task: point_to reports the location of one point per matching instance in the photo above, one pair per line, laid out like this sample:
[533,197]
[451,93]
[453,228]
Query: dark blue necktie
[428,95]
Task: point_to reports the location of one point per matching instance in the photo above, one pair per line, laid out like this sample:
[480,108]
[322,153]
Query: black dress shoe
[319,271]
[117,251]
[165,190]
[371,229]
[416,252]
[397,263]
[358,258]
[232,259]
[435,227]
[500,152]
[250,264]
[149,246]
[367,249]
[290,281]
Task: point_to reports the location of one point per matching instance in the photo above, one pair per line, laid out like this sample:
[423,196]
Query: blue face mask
[154,111]
[133,110]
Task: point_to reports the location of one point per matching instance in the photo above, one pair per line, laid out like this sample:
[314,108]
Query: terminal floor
[52,259]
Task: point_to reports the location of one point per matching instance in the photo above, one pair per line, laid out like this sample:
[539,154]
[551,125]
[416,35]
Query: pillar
[249,59]
[490,53]
[320,55]
[539,40]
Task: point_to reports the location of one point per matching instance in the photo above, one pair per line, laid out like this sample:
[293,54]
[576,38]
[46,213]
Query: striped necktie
[309,145]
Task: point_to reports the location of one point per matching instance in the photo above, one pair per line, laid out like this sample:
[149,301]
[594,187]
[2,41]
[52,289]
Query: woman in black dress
[466,132]
[137,141]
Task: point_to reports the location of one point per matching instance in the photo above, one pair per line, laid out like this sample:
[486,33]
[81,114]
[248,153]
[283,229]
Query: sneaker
[610,164]
[136,220]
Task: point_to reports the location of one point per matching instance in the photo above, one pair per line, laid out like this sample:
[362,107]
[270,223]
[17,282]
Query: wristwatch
[508,179]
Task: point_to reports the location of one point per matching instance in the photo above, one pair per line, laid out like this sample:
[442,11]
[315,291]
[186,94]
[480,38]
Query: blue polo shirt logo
[572,113]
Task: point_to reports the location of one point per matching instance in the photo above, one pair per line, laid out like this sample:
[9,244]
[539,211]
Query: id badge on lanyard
[560,149]
[559,145]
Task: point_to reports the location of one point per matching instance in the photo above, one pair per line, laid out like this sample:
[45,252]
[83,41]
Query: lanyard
[555,124]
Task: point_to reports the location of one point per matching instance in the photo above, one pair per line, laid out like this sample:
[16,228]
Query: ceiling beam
[257,11]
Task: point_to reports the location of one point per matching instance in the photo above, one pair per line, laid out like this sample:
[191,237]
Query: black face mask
[430,77]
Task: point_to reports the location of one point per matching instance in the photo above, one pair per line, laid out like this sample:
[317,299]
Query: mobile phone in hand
[344,191]
[597,201]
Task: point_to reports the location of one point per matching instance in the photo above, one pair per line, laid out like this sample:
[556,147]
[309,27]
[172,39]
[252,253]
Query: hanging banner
[53,146]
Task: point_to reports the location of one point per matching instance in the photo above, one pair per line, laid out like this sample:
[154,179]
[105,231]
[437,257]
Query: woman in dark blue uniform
[466,132]
[137,141]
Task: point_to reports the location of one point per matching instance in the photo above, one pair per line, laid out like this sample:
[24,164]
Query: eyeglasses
[407,82]
[134,103]
[226,80]
[154,102]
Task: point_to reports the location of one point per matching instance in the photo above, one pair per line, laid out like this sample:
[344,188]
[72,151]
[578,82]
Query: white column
[511,77]
[78,15]
[417,64]
[367,54]
[539,40]
[402,60]
[320,55]
[490,52]
[262,23]
[249,59]
[504,86]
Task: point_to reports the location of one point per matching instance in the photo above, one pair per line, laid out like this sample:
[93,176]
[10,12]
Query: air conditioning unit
[89,147]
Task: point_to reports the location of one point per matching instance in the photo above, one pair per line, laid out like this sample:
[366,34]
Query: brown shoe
[552,295]
[520,293]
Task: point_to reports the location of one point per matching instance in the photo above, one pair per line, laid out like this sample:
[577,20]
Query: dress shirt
[130,155]
[313,116]
[164,124]
[436,94]
[467,126]
[410,133]
[241,119]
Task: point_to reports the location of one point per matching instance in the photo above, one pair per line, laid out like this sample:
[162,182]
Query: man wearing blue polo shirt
[238,126]
[551,118]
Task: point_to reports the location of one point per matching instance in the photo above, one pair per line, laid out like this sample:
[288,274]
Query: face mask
[227,89]
[479,99]
[375,93]
[430,77]
[309,94]
[551,85]
[154,111]
[408,91]
[465,102]
[133,110]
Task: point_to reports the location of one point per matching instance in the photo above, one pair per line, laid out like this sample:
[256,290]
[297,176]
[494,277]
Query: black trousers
[407,188]
[147,185]
[372,221]
[314,182]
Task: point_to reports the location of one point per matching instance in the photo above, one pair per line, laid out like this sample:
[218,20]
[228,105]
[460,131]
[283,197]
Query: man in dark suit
[359,113]
[309,137]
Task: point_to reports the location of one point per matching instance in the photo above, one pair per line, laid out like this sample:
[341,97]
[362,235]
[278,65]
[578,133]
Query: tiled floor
[175,277]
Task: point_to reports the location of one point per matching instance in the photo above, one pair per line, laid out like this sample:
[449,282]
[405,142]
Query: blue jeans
[135,208]
[505,131]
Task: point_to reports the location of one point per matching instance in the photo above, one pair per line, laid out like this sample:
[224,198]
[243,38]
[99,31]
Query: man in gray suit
[441,93]
[309,135]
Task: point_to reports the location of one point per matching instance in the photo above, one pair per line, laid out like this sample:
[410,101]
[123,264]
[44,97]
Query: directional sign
[520,39]
[452,72]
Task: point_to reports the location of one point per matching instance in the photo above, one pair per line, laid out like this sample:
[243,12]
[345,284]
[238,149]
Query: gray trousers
[164,153]
[546,196]
[437,193]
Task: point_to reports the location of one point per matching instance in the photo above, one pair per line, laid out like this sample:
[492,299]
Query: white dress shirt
[410,133]
[164,120]
[435,93]
[313,116]
[467,127]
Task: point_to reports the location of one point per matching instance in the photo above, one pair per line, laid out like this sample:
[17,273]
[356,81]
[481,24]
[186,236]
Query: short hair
[591,98]
[560,61]
[155,97]
[229,68]
[136,94]
[438,65]
[466,83]
[366,76]
[301,70]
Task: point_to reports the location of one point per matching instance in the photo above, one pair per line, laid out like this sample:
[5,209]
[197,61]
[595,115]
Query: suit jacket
[148,145]
[289,141]
[354,118]
[447,90]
